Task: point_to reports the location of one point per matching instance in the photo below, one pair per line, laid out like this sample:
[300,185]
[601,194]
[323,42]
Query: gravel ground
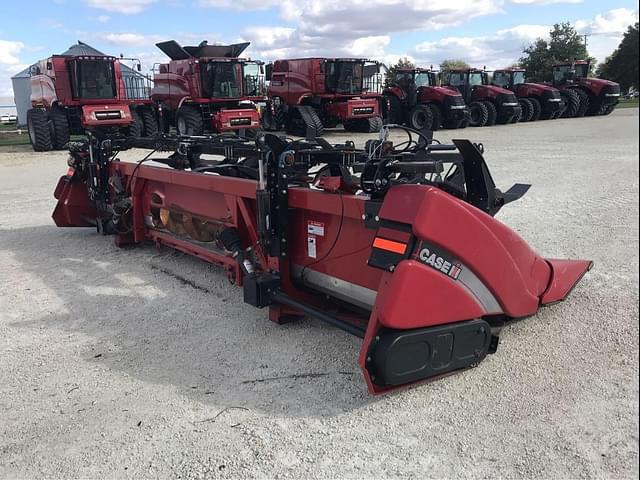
[139,363]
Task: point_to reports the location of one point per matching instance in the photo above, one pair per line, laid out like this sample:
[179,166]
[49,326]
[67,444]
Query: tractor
[415,99]
[208,89]
[488,104]
[73,94]
[308,94]
[537,101]
[584,95]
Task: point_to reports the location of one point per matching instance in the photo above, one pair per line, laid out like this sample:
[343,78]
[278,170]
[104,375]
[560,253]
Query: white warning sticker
[315,228]
[311,247]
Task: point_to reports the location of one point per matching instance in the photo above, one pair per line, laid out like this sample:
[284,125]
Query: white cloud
[125,7]
[542,2]
[104,18]
[239,4]
[614,22]
[9,51]
[10,64]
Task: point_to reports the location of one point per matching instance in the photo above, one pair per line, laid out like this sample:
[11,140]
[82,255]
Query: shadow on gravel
[169,319]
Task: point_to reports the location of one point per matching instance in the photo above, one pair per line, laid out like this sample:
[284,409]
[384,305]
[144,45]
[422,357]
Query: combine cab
[414,99]
[537,101]
[307,95]
[584,95]
[208,89]
[488,104]
[73,94]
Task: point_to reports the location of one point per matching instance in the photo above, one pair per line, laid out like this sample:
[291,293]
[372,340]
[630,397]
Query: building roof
[77,50]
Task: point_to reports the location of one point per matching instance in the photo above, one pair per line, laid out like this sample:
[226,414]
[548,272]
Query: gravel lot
[139,363]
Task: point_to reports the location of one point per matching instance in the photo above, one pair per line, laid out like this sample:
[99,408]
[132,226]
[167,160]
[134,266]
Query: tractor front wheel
[478,114]
[527,109]
[189,121]
[39,131]
[537,109]
[421,118]
[571,101]
[436,116]
[492,113]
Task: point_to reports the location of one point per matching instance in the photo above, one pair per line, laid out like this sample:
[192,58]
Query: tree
[400,64]
[622,65]
[453,65]
[564,44]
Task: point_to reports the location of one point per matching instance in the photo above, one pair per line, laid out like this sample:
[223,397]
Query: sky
[489,33]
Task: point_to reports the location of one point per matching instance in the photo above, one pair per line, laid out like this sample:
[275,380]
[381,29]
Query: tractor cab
[465,81]
[569,72]
[416,78]
[509,78]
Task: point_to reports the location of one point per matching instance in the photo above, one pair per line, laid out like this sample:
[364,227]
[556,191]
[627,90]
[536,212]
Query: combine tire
[527,109]
[39,131]
[492,113]
[59,128]
[375,124]
[537,109]
[571,101]
[436,115]
[149,121]
[421,118]
[478,114]
[136,127]
[584,103]
[364,125]
[189,121]
[303,121]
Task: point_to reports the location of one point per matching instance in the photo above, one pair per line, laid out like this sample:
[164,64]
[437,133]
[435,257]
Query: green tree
[564,44]
[400,64]
[453,65]
[622,65]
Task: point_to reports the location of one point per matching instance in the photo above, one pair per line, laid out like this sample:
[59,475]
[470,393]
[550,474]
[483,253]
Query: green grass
[629,103]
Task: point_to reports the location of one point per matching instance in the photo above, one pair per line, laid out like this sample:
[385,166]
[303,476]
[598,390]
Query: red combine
[83,90]
[380,247]
[584,95]
[306,95]
[537,100]
[208,89]
[415,99]
[488,104]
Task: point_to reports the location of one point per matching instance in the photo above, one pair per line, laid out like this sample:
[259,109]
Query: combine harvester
[85,91]
[415,99]
[307,95]
[208,89]
[396,244]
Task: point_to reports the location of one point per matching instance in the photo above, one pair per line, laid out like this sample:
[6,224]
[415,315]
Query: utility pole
[586,35]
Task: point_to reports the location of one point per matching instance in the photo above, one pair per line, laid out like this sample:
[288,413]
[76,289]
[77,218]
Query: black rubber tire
[527,109]
[317,121]
[492,113]
[375,124]
[537,109]
[436,115]
[421,118]
[478,114]
[571,101]
[136,127]
[149,121]
[39,130]
[189,120]
[60,134]
[516,117]
[393,114]
[584,103]
[606,110]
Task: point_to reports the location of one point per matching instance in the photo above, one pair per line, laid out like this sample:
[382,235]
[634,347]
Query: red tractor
[537,101]
[306,95]
[72,94]
[488,104]
[415,99]
[208,89]
[584,95]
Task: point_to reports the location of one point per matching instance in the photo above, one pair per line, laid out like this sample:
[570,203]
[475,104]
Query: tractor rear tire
[60,135]
[478,114]
[189,121]
[436,115]
[39,130]
[149,121]
[492,113]
[537,109]
[527,109]
[421,118]
[571,101]
[584,103]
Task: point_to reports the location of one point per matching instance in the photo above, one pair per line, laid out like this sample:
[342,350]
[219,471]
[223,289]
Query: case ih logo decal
[436,260]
